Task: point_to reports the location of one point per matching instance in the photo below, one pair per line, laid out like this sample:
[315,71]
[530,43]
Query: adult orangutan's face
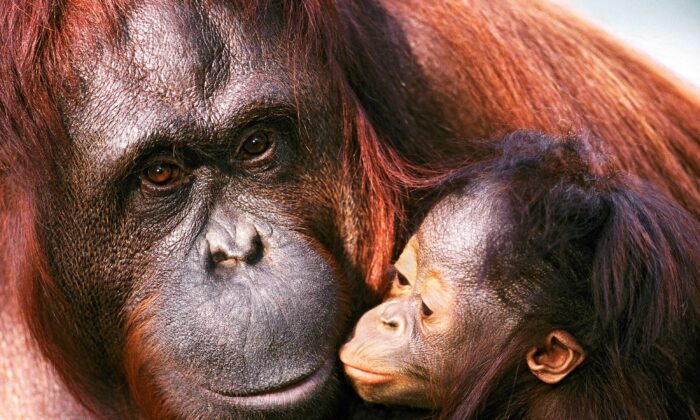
[192,230]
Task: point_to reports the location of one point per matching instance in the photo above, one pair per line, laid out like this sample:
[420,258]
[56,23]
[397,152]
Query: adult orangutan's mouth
[290,393]
[366,376]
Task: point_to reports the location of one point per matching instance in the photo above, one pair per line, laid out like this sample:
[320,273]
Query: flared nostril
[392,317]
[255,251]
[391,321]
[233,245]
[223,259]
[391,324]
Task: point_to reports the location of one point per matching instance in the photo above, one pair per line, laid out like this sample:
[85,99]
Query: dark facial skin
[182,231]
[406,350]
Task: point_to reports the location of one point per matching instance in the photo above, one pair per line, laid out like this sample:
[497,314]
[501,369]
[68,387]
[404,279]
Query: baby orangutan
[549,287]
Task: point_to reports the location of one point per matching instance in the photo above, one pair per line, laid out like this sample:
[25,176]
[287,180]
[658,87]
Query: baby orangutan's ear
[558,356]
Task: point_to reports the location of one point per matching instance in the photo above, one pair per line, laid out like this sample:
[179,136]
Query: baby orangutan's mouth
[366,376]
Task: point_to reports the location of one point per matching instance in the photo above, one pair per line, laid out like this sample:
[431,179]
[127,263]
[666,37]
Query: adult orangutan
[192,192]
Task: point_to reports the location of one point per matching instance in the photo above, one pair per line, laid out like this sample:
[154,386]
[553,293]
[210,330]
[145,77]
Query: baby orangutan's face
[444,315]
[403,350]
[394,356]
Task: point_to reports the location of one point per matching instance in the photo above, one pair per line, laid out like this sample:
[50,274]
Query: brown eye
[402,280]
[255,145]
[162,174]
[425,310]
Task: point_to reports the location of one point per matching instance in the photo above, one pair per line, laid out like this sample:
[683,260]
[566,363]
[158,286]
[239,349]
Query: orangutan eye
[402,280]
[256,144]
[424,310]
[162,174]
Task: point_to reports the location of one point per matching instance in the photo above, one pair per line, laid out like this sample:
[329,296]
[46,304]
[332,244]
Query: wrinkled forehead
[186,73]
[453,236]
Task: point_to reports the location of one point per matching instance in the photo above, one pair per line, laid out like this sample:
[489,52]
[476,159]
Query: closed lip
[288,394]
[366,376]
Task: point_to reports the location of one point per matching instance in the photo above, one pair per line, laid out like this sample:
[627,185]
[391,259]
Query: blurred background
[666,30]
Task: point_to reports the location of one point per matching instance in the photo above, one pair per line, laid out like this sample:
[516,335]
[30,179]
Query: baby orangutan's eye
[424,310]
[402,280]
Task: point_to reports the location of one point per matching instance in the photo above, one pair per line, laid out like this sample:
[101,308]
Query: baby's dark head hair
[541,266]
[583,248]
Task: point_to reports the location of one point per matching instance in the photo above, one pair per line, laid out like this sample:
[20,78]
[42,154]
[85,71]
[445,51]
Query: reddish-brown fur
[485,67]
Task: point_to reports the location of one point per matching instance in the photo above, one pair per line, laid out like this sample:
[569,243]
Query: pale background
[666,30]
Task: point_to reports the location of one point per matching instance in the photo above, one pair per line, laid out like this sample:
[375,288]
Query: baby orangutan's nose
[393,317]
